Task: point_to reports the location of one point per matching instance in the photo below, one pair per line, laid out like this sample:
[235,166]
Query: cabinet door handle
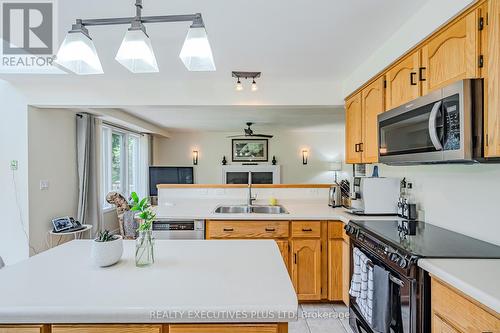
[307,229]
[270,229]
[421,73]
[356,147]
[295,258]
[361,147]
[228,229]
[412,79]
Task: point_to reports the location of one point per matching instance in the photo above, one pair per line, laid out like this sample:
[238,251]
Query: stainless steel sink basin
[254,209]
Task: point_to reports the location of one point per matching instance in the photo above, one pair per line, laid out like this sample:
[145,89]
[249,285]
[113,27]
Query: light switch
[44,185]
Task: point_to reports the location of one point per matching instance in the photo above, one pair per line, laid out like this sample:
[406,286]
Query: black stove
[425,240]
[397,246]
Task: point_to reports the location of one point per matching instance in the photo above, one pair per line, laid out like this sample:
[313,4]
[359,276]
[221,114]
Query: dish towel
[362,284]
[381,313]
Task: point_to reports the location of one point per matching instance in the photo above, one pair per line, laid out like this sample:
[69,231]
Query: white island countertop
[476,278]
[191,282]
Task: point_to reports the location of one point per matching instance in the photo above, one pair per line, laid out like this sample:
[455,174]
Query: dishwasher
[178,229]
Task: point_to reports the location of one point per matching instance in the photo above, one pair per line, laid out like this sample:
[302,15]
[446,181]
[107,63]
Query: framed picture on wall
[250,150]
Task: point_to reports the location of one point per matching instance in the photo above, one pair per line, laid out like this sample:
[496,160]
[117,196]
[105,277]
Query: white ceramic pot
[107,253]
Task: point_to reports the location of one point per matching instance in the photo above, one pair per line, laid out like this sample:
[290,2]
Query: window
[121,163]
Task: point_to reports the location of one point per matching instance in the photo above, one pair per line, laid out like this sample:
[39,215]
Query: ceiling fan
[249,133]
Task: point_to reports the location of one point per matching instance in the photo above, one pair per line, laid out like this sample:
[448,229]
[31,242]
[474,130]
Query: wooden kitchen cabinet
[284,250]
[306,268]
[24,328]
[107,328]
[453,312]
[247,229]
[362,125]
[491,50]
[403,82]
[372,104]
[451,55]
[353,131]
[338,262]
[228,328]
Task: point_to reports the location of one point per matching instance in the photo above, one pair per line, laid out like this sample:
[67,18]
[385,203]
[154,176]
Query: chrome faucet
[250,198]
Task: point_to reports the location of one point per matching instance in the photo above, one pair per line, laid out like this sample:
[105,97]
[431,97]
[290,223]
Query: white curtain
[88,148]
[145,162]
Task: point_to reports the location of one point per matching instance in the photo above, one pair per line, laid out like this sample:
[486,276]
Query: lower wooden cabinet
[285,250]
[228,328]
[147,328]
[107,328]
[306,268]
[338,262]
[24,328]
[453,312]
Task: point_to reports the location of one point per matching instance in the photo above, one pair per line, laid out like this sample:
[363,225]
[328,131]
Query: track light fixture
[246,76]
[78,53]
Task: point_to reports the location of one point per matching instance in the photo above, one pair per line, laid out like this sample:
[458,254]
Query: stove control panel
[386,252]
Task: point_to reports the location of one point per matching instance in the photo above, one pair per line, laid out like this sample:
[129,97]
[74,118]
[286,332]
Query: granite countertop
[476,278]
[191,281]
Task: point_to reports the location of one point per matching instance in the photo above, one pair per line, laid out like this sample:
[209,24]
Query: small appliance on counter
[335,196]
[374,196]
[406,208]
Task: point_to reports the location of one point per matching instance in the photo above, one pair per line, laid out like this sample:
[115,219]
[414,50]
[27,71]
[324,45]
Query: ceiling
[303,48]
[233,118]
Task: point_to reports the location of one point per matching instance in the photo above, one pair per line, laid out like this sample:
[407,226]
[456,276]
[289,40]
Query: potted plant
[107,249]
[144,245]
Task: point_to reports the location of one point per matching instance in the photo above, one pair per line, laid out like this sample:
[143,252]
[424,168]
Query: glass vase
[144,249]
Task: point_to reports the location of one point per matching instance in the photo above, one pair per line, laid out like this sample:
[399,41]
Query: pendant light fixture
[239,86]
[254,86]
[246,75]
[78,53]
[196,53]
[136,53]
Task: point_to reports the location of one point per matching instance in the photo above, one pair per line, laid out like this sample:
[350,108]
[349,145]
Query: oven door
[414,132]
[403,307]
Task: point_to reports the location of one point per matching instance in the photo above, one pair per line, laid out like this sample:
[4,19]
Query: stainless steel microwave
[445,126]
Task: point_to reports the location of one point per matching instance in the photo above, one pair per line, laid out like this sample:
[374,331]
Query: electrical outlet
[44,185]
[14,164]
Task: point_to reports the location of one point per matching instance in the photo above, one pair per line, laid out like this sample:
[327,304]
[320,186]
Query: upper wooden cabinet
[492,81]
[353,131]
[452,54]
[361,123]
[372,104]
[403,81]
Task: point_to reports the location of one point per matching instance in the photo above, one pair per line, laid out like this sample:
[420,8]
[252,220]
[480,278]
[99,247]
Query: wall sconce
[195,157]
[305,156]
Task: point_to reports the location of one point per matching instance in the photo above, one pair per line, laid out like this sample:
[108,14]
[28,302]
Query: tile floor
[321,318]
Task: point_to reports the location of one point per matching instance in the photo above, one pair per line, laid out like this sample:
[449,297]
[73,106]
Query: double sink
[253,209]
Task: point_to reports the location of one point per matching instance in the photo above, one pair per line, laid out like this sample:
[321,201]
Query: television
[168,175]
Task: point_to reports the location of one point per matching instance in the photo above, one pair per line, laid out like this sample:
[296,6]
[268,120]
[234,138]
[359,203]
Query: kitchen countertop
[476,278]
[297,209]
[191,281]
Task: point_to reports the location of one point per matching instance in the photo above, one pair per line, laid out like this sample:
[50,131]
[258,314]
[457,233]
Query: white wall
[52,157]
[13,146]
[324,147]
[432,15]
[463,198]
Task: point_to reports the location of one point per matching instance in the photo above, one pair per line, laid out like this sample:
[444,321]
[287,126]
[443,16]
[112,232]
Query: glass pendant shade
[254,86]
[78,55]
[136,53]
[196,53]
